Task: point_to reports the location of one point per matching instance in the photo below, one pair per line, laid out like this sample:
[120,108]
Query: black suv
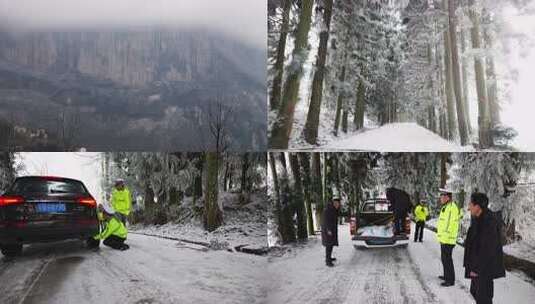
[45,209]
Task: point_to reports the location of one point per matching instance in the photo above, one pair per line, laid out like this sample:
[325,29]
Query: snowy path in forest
[385,275]
[154,270]
[395,137]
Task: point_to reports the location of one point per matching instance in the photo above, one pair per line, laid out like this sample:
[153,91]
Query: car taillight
[88,201]
[11,200]
[407,225]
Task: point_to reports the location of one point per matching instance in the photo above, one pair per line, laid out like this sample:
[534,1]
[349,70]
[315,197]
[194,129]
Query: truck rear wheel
[11,250]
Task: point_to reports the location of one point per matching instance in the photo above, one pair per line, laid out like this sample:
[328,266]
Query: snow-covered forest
[340,68]
[187,194]
[300,184]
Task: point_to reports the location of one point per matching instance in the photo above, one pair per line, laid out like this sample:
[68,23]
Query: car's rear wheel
[11,250]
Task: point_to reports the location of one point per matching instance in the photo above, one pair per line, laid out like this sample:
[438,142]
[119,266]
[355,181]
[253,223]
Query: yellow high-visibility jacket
[448,223]
[112,227]
[121,201]
[421,213]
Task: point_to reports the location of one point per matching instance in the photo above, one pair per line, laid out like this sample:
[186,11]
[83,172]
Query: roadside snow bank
[396,137]
[245,225]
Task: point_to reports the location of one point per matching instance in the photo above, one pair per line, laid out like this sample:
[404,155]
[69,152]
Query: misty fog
[243,19]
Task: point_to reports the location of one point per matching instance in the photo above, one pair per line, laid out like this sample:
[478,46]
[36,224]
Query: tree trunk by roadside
[304,160]
[456,74]
[282,128]
[313,115]
[297,198]
[450,98]
[483,111]
[358,119]
[317,185]
[464,72]
[286,225]
[213,215]
[275,97]
[339,102]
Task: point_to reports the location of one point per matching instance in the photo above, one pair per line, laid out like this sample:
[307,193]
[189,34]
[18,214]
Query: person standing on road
[329,229]
[447,231]
[420,215]
[483,252]
[121,200]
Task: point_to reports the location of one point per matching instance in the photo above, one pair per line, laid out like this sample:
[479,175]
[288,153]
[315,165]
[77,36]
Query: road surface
[152,271]
[385,275]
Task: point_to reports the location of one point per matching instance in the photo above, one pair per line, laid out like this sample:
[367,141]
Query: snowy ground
[395,137]
[387,275]
[521,249]
[244,225]
[152,271]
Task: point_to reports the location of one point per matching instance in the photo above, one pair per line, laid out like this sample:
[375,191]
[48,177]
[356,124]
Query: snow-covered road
[386,275]
[395,137]
[154,270]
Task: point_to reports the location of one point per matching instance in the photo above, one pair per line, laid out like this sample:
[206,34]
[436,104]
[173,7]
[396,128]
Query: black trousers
[482,289]
[419,233]
[114,242]
[328,253]
[447,262]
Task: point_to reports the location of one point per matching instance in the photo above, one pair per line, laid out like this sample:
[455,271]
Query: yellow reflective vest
[448,223]
[112,227]
[121,201]
[420,213]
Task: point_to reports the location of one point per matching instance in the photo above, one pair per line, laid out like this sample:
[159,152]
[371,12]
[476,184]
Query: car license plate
[51,208]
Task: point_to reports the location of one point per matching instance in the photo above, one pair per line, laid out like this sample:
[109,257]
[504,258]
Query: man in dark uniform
[329,229]
[483,253]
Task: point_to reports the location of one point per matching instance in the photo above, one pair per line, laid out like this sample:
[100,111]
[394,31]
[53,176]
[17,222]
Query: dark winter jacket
[329,222]
[483,253]
[400,201]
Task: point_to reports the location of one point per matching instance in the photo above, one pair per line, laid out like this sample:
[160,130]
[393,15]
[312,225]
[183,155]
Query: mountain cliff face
[150,82]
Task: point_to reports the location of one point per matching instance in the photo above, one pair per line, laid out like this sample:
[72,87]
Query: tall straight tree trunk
[345,114]
[245,183]
[197,180]
[339,102]
[282,129]
[358,119]
[483,111]
[304,160]
[492,86]
[443,169]
[213,216]
[456,74]
[297,198]
[275,97]
[466,96]
[317,185]
[273,166]
[450,98]
[431,119]
[286,225]
[313,115]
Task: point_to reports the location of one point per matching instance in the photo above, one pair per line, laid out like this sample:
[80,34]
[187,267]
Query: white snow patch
[396,137]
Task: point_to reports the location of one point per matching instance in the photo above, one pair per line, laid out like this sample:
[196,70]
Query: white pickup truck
[374,226]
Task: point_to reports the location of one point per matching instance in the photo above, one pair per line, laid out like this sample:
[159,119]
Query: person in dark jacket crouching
[483,253]
[329,229]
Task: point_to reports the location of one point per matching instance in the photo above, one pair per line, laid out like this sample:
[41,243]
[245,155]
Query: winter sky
[244,19]
[77,165]
[518,112]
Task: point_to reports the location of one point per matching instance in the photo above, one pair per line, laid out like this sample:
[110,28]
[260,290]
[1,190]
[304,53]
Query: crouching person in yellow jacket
[114,233]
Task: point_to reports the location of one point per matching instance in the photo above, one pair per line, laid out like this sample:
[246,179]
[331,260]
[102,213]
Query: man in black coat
[329,229]
[483,254]
[400,201]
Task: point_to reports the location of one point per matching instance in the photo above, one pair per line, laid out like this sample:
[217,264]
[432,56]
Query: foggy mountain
[135,88]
